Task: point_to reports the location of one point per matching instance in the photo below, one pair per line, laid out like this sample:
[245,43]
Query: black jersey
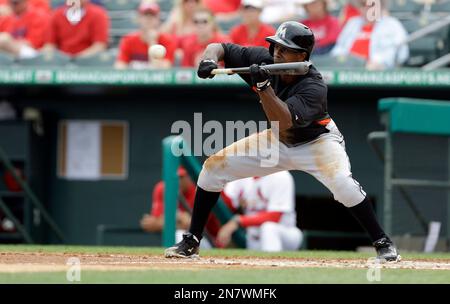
[306,98]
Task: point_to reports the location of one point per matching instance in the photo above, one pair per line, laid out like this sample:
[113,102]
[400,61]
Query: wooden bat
[290,68]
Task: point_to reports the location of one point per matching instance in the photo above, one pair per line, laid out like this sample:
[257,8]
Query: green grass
[231,275]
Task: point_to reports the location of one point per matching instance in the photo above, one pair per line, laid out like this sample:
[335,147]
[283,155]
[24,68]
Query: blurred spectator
[252,32]
[206,32]
[325,27]
[154,222]
[349,11]
[134,47]
[180,22]
[22,33]
[375,38]
[278,11]
[5,8]
[222,7]
[80,33]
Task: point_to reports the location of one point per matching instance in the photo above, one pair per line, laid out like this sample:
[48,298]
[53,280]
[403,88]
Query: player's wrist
[236,219]
[262,86]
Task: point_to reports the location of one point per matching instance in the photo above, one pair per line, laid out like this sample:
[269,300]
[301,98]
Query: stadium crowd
[347,28]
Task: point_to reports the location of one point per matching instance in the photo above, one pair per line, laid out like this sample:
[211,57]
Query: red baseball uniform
[74,38]
[133,48]
[326,30]
[240,35]
[193,49]
[157,210]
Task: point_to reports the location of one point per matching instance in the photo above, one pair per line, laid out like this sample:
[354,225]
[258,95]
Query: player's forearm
[92,50]
[213,51]
[276,110]
[259,218]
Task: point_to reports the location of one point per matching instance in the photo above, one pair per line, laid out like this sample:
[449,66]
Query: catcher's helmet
[293,35]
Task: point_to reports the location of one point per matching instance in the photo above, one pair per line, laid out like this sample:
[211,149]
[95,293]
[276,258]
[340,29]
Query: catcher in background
[268,212]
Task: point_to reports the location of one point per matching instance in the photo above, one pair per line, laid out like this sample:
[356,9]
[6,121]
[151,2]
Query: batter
[306,136]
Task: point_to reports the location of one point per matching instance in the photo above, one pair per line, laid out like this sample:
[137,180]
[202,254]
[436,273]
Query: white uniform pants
[324,158]
[274,237]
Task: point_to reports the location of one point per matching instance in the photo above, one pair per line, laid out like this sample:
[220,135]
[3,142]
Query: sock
[365,215]
[203,204]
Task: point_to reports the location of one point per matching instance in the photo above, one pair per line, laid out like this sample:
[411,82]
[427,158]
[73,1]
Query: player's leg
[259,154]
[276,237]
[327,160]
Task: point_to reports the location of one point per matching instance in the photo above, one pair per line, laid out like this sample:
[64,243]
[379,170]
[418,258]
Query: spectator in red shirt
[22,32]
[154,222]
[206,32]
[349,11]
[134,47]
[252,32]
[5,8]
[325,27]
[79,32]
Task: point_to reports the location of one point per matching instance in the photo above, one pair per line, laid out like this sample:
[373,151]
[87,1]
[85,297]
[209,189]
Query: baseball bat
[290,68]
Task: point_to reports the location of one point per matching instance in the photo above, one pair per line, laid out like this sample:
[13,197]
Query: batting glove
[205,68]
[260,77]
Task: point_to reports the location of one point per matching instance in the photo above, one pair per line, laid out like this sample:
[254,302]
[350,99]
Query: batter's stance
[308,138]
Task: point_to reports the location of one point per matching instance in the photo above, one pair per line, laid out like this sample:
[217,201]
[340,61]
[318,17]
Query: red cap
[181,171]
[149,7]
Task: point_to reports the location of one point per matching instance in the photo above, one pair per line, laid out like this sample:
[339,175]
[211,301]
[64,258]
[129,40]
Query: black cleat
[386,250]
[187,248]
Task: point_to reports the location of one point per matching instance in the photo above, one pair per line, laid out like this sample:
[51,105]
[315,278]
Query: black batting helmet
[293,35]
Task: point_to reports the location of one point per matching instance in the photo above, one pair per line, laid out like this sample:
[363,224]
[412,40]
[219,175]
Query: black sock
[365,215]
[203,204]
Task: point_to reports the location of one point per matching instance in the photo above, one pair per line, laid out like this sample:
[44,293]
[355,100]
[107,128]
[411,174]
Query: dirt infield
[49,262]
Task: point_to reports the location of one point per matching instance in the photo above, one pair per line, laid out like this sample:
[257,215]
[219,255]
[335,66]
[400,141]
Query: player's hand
[183,220]
[260,77]
[205,68]
[225,233]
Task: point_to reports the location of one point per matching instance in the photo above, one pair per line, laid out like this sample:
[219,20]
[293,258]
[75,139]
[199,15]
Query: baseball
[157,51]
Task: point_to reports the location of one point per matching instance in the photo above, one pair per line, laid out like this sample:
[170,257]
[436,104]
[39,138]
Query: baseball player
[267,205]
[308,139]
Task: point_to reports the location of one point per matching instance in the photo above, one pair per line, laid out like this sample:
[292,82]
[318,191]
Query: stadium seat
[104,59]
[57,3]
[120,5]
[6,60]
[48,59]
[326,61]
[405,6]
[442,7]
[425,50]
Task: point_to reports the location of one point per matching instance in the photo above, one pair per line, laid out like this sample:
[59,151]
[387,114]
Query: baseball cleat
[187,248]
[386,250]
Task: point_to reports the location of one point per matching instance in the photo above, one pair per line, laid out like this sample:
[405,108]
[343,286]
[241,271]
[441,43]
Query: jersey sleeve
[281,194]
[238,56]
[308,104]
[124,51]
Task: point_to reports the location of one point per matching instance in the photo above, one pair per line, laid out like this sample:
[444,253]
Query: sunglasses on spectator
[201,21]
[186,1]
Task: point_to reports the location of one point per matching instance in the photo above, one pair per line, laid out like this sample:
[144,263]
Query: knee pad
[211,180]
[269,227]
[348,191]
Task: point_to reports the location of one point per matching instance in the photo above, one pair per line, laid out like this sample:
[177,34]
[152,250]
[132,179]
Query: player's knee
[269,228]
[347,191]
[210,181]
